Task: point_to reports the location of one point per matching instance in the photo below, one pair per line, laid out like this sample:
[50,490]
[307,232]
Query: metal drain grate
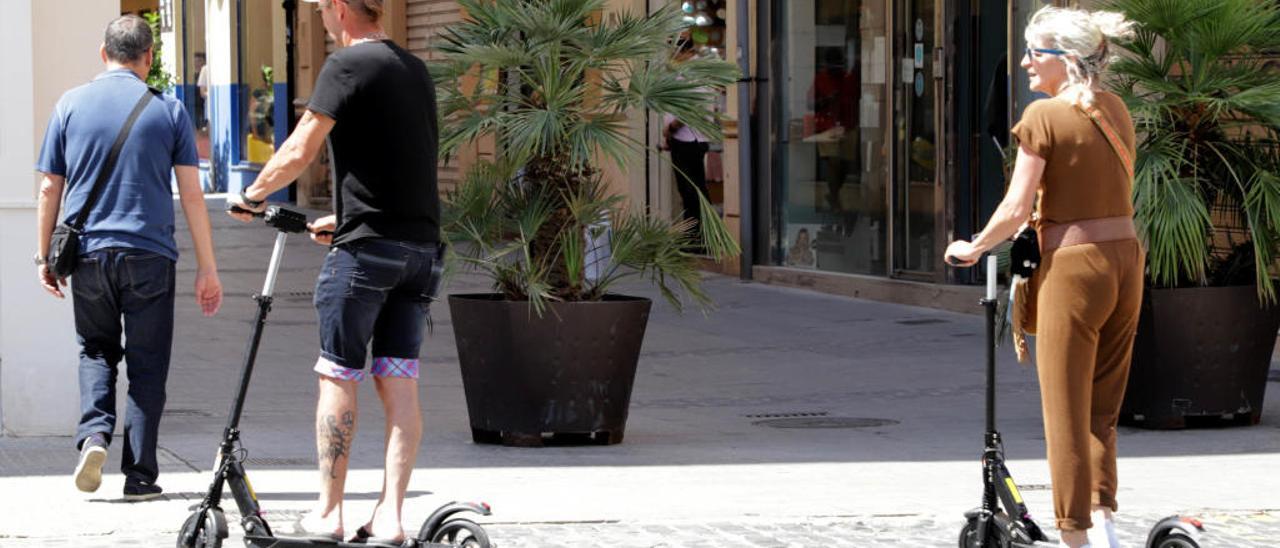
[278,461]
[792,415]
[826,422]
[921,321]
[178,412]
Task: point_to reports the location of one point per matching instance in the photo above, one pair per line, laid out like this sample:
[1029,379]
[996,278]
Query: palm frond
[1198,90]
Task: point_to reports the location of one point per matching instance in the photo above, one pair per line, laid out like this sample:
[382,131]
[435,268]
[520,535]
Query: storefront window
[832,159]
[919,198]
[257,80]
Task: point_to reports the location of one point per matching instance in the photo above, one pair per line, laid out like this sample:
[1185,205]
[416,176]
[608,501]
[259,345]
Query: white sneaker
[1103,532]
[88,474]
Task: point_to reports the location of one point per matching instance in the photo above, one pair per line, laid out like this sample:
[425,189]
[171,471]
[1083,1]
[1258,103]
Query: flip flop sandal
[301,532]
[363,536]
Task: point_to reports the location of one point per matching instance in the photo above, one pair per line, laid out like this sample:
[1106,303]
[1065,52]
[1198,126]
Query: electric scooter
[990,525]
[206,527]
[1003,520]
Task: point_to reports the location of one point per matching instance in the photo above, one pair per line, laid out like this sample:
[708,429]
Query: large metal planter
[1201,358]
[565,377]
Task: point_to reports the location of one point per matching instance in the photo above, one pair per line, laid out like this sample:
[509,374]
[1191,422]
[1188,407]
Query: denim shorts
[375,290]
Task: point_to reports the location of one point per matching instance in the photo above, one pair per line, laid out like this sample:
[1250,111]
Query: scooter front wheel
[203,529]
[1002,532]
[463,533]
[968,537]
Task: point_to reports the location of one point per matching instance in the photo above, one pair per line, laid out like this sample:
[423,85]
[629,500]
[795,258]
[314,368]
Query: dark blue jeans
[125,292]
[375,290]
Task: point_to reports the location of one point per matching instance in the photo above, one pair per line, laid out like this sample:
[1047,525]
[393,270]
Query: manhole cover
[177,412]
[825,422]
[277,461]
[299,295]
[791,415]
[921,321]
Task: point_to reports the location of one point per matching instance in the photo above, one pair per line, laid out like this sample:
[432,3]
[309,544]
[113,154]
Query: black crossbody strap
[110,165]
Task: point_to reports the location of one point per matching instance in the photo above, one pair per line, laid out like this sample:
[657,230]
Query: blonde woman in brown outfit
[1088,287]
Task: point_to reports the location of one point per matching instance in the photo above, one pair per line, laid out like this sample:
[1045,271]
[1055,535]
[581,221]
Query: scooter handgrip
[286,220]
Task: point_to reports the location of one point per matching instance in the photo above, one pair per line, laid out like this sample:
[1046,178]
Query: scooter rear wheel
[1177,539]
[462,533]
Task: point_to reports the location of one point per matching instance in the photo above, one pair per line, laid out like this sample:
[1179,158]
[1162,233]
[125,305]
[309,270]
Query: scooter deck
[254,541]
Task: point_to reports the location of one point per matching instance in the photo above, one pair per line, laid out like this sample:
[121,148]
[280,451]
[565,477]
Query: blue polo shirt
[135,209]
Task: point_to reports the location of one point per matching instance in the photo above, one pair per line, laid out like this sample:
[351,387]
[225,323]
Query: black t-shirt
[384,144]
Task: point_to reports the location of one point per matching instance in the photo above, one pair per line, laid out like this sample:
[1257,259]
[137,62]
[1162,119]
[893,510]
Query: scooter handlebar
[993,270]
[279,218]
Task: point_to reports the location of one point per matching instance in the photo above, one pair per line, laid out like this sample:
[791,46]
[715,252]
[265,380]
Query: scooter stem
[989,303]
[251,353]
[277,253]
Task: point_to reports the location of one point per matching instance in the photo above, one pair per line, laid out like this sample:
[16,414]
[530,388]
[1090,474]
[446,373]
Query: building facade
[858,144]
[876,134]
[872,133]
[873,124]
[245,69]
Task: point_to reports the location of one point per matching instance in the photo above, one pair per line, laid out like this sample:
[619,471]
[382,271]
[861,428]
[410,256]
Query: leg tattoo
[335,441]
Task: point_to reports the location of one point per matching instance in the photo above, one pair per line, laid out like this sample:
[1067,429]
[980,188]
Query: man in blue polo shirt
[127,249]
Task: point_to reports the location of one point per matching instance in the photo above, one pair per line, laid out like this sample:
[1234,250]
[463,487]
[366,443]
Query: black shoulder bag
[64,247]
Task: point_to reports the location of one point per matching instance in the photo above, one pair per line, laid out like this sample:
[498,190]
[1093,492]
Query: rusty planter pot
[1201,358]
[563,378]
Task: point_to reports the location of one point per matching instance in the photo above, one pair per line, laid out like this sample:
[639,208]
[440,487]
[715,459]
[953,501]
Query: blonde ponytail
[1086,38]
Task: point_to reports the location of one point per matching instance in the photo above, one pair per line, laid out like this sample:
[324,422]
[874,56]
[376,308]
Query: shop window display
[831,168]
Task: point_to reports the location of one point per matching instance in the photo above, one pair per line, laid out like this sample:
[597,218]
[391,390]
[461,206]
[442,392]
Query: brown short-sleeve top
[1083,177]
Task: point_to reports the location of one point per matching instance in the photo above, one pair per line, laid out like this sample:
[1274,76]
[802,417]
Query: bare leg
[335,429]
[404,432]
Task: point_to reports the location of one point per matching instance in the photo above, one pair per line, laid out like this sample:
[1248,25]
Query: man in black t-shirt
[375,102]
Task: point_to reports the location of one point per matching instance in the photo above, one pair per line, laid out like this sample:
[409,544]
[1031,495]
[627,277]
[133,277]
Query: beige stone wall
[50,46]
[66,38]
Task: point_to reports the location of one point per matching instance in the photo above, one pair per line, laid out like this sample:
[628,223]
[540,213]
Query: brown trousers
[1087,298]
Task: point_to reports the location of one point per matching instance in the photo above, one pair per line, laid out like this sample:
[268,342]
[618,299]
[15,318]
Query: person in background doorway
[202,88]
[688,156]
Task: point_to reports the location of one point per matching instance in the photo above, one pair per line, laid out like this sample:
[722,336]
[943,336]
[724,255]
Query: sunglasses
[1048,51]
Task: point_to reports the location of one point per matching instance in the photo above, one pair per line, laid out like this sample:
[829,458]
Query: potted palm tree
[552,352]
[1207,197]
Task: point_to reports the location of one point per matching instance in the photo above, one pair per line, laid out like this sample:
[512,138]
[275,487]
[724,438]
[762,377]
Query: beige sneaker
[93,453]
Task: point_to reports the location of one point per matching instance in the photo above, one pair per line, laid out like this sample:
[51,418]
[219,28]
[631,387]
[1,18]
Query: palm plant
[1207,111]
[554,83]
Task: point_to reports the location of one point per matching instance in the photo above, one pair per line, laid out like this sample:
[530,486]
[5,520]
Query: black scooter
[206,527]
[1003,520]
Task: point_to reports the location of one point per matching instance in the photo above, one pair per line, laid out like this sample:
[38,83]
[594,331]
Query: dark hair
[127,39]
